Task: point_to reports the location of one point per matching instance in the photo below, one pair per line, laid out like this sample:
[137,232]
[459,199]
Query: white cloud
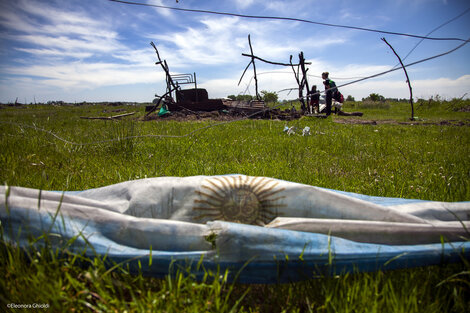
[72,49]
[59,16]
[140,57]
[62,35]
[244,3]
[220,88]
[75,34]
[164,12]
[60,32]
[55,53]
[67,43]
[196,44]
[87,75]
[390,85]
[279,6]
[355,71]
[348,15]
[444,87]
[293,8]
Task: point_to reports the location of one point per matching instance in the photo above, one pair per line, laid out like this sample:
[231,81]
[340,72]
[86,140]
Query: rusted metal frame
[407,78]
[183,78]
[188,78]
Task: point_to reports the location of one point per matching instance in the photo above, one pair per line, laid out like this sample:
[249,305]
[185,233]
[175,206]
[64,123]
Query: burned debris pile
[194,103]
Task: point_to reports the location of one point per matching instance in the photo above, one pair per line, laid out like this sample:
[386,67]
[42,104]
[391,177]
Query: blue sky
[97,50]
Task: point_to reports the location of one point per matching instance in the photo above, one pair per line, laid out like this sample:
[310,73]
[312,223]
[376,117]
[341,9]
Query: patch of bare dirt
[226,115]
[284,115]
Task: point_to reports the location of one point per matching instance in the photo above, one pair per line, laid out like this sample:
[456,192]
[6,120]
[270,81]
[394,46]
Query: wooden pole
[407,78]
[295,73]
[304,75]
[164,65]
[254,68]
[300,83]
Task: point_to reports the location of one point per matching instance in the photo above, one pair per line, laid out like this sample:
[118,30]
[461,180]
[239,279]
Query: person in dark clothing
[314,100]
[330,88]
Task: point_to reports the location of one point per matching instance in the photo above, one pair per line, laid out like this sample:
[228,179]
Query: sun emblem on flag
[240,199]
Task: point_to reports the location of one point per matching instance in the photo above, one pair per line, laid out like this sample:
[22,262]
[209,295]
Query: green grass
[424,160]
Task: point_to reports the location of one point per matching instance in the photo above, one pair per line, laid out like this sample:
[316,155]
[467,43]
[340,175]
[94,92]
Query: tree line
[271,96]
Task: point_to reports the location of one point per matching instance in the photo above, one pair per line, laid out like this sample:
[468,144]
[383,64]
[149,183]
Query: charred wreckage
[196,100]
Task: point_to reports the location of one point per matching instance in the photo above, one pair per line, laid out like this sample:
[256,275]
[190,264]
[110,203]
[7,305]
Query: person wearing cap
[330,88]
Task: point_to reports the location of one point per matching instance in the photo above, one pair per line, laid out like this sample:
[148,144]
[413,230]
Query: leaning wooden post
[170,84]
[164,65]
[407,78]
[304,70]
[300,83]
[254,68]
[304,76]
[293,69]
[243,74]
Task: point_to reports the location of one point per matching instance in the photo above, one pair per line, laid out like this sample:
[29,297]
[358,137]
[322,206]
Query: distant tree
[244,98]
[269,96]
[350,98]
[232,97]
[376,97]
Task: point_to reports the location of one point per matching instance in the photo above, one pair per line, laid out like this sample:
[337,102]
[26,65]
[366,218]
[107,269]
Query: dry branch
[254,68]
[270,62]
[165,68]
[407,78]
[243,74]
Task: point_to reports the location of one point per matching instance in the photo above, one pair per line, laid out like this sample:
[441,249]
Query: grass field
[51,148]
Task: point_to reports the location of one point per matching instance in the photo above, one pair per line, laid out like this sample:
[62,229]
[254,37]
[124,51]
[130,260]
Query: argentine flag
[260,229]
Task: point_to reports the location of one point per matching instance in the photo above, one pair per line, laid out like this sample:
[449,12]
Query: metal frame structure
[183,79]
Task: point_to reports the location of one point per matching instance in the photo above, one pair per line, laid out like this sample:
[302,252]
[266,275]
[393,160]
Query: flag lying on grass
[276,231]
